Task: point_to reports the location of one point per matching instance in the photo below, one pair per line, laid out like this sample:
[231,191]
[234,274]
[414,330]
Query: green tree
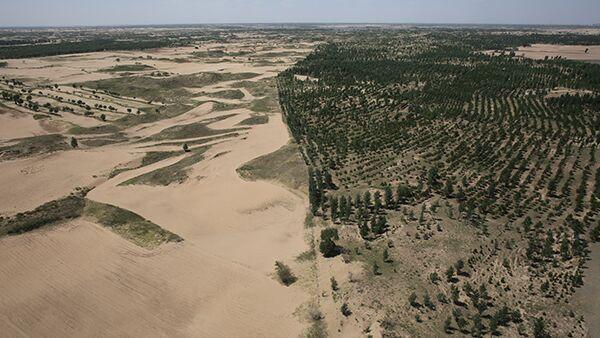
[364,230]
[313,193]
[333,207]
[334,284]
[449,188]
[367,199]
[454,294]
[539,328]
[403,193]
[478,328]
[427,301]
[388,197]
[412,300]
[386,256]
[345,310]
[377,201]
[327,246]
[448,325]
[450,274]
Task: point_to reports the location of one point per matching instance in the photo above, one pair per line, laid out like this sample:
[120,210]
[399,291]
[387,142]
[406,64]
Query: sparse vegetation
[129,225]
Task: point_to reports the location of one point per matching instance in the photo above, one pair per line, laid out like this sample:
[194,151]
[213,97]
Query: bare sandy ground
[589,294]
[34,181]
[540,51]
[14,124]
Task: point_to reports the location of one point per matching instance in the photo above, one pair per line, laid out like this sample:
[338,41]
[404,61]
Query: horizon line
[595,25]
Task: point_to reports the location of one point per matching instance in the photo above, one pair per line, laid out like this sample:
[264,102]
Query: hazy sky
[116,12]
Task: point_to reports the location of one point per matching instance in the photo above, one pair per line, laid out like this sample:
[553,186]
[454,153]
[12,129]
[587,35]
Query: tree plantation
[409,133]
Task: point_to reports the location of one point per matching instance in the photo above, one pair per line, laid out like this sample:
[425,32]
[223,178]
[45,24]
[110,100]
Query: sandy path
[588,295]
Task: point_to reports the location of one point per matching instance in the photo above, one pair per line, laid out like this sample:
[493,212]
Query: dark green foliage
[345,310]
[334,284]
[539,328]
[412,300]
[328,247]
[255,120]
[47,214]
[72,47]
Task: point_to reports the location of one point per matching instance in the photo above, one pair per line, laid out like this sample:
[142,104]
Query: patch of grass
[148,159]
[255,120]
[99,142]
[168,111]
[232,94]
[222,106]
[127,68]
[3,64]
[157,156]
[47,214]
[264,105]
[192,130]
[260,88]
[103,129]
[175,173]
[129,225]
[40,116]
[169,89]
[216,53]
[285,166]
[307,255]
[198,142]
[34,145]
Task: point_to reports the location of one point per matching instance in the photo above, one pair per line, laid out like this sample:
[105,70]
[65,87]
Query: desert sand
[540,51]
[80,279]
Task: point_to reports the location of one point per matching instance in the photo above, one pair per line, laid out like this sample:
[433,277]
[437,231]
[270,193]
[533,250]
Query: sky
[142,12]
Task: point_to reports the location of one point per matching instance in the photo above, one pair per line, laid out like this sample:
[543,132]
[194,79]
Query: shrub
[345,310]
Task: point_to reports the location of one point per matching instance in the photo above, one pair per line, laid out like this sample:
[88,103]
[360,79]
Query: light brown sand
[30,182]
[589,294]
[79,279]
[14,124]
[540,51]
